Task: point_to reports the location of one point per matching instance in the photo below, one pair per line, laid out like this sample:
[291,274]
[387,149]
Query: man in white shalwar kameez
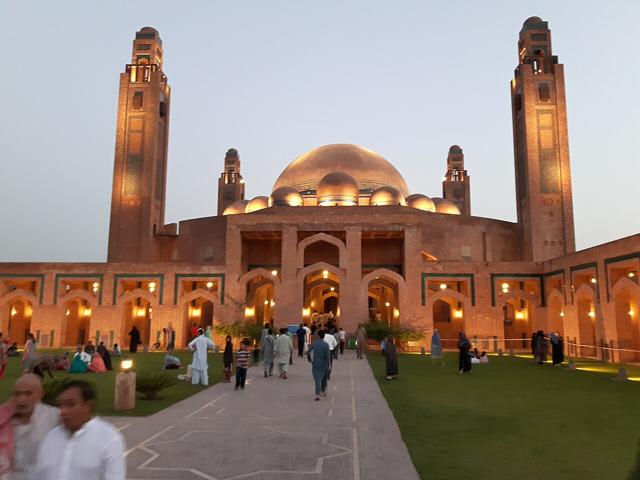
[199,366]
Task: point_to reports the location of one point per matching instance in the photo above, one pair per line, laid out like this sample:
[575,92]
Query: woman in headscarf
[391,358]
[436,348]
[106,356]
[80,362]
[227,359]
[541,348]
[135,339]
[557,348]
[464,345]
[97,364]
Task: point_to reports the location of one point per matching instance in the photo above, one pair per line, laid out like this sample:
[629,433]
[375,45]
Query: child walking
[242,364]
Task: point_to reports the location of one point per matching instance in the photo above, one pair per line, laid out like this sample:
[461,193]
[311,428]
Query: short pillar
[125,394]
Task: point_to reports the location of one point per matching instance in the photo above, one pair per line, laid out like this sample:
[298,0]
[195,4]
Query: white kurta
[199,347]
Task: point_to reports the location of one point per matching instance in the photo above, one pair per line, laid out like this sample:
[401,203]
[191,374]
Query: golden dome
[236,207]
[421,202]
[337,188]
[369,169]
[285,196]
[386,196]
[256,203]
[445,206]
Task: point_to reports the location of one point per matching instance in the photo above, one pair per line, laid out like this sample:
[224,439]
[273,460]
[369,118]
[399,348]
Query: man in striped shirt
[242,364]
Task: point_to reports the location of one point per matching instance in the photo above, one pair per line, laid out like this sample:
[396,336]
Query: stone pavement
[273,430]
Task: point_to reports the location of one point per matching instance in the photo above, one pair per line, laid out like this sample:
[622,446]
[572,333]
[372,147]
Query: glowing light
[313,303]
[68,312]
[273,304]
[333,289]
[396,313]
[562,314]
[249,311]
[87,311]
[195,312]
[443,286]
[266,302]
[139,312]
[519,315]
[14,312]
[387,304]
[631,274]
[67,287]
[152,287]
[209,284]
[96,287]
[325,274]
[28,310]
[594,280]
[458,313]
[505,288]
[592,314]
[274,272]
[306,312]
[126,364]
[631,312]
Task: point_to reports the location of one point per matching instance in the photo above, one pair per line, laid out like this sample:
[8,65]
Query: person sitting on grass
[106,356]
[97,364]
[171,362]
[80,362]
[117,351]
[12,351]
[484,359]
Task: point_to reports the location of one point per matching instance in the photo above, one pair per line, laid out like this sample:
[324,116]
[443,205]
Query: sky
[275,79]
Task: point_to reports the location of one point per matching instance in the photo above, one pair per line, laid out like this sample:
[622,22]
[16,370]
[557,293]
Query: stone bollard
[622,375]
[125,393]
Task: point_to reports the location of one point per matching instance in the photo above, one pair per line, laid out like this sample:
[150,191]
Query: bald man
[32,420]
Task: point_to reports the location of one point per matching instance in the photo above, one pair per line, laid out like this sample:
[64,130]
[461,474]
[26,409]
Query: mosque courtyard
[508,419]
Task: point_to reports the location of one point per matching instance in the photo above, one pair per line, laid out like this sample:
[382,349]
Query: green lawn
[104,382]
[512,419]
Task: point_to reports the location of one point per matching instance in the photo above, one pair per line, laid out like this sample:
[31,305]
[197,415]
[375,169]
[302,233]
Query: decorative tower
[140,165]
[230,183]
[541,147]
[456,186]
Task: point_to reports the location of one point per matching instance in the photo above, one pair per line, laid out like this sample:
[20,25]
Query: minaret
[456,186]
[230,183]
[140,165]
[541,147]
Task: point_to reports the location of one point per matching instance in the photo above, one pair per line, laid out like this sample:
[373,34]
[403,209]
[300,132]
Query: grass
[104,382]
[514,419]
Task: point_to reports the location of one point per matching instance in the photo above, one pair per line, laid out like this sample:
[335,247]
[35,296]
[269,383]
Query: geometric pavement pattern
[272,430]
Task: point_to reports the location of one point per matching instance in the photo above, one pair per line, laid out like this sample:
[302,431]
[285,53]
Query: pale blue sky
[277,78]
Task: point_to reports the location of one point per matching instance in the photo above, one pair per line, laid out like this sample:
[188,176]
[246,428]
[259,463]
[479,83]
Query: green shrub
[151,383]
[381,330]
[52,389]
[239,329]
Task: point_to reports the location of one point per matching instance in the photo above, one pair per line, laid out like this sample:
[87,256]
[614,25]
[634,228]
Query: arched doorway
[627,325]
[20,314]
[321,296]
[587,327]
[198,311]
[448,318]
[555,314]
[77,324]
[137,312]
[516,317]
[383,298]
[260,300]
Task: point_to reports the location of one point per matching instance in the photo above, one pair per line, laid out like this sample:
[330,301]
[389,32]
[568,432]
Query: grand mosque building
[341,232]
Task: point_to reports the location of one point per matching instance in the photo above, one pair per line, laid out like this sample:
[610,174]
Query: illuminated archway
[19,315]
[77,323]
[585,302]
[555,312]
[626,309]
[321,293]
[516,319]
[324,252]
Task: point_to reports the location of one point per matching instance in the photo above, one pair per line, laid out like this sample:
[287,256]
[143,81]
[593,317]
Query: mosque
[341,232]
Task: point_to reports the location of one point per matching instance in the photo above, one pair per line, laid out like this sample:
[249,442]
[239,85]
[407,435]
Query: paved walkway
[273,430]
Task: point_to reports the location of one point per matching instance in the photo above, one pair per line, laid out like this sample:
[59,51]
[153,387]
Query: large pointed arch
[256,272]
[303,272]
[533,299]
[213,297]
[138,292]
[321,237]
[79,293]
[21,294]
[625,282]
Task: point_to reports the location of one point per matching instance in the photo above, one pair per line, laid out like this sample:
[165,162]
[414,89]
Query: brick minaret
[541,147]
[230,183]
[456,186]
[140,165]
